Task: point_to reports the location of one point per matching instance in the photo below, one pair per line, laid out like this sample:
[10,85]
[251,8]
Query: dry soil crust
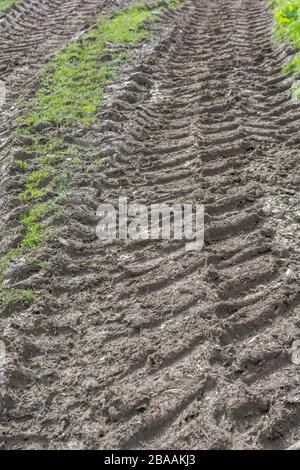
[145,345]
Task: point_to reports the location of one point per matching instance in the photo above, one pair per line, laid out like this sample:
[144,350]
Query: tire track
[145,345]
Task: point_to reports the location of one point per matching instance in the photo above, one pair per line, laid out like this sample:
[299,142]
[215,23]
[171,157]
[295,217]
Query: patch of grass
[75,161]
[5,4]
[34,235]
[22,165]
[7,295]
[98,161]
[287,20]
[287,28]
[34,232]
[33,183]
[16,296]
[293,66]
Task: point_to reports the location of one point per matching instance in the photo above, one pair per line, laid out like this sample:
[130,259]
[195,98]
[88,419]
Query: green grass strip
[287,28]
[5,4]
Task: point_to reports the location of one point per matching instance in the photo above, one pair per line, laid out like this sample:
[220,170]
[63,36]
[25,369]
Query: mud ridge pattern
[143,344]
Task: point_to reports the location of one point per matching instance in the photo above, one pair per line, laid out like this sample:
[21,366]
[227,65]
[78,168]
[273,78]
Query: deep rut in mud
[147,345]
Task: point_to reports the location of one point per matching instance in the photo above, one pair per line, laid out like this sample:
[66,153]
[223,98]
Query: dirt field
[144,345]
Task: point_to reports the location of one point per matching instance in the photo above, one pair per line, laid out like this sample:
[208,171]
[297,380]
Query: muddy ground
[143,345]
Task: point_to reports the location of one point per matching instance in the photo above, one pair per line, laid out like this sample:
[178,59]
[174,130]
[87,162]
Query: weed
[5,4]
[34,233]
[287,28]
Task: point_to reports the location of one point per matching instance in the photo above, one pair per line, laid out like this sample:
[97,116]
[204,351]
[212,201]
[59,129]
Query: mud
[143,345]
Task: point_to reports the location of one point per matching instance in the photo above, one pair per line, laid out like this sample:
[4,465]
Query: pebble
[267,210]
[295,446]
[296,352]
[290,274]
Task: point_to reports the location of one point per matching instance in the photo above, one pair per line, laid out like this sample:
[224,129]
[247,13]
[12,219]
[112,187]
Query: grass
[68,96]
[11,297]
[33,229]
[8,296]
[287,28]
[5,4]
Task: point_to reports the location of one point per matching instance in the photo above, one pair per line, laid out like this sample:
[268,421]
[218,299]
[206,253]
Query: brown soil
[143,344]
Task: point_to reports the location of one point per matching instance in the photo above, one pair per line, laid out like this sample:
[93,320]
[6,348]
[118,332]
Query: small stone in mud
[290,274]
[295,446]
[297,217]
[296,352]
[267,210]
[112,412]
[293,396]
